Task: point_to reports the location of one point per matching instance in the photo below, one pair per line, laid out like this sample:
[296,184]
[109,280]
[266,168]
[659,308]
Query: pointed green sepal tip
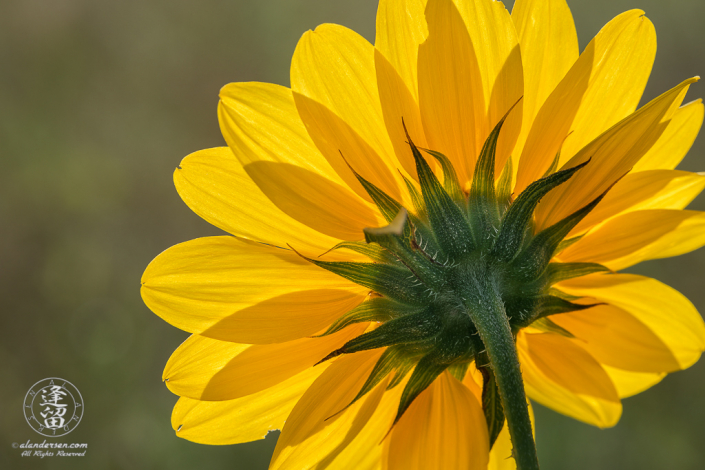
[446,218]
[386,204]
[424,374]
[519,215]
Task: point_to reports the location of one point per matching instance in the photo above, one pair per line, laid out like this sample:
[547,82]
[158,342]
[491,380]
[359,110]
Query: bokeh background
[99,101]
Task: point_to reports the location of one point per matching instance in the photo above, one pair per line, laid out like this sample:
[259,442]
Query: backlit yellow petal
[549,47]
[539,387]
[365,451]
[611,156]
[354,440]
[451,96]
[616,338]
[650,189]
[260,123]
[198,284]
[573,369]
[335,90]
[496,46]
[443,428]
[638,236]
[621,70]
[209,369]
[671,316]
[315,201]
[676,140]
[215,186]
[400,109]
[629,383]
[263,128]
[243,419]
[328,395]
[601,88]
[401,27]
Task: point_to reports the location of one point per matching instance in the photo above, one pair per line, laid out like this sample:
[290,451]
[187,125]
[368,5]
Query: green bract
[457,259]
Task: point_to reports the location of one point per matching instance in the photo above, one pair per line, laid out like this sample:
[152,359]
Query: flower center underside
[439,265]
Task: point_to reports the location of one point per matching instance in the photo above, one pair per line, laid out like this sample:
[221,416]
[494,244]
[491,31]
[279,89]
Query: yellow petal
[614,92]
[501,454]
[629,383]
[335,90]
[616,338]
[569,365]
[260,123]
[539,387]
[243,419]
[443,428]
[473,380]
[354,440]
[496,46]
[314,413]
[651,189]
[676,140]
[601,88]
[662,309]
[401,27]
[213,370]
[451,96]
[216,187]
[549,47]
[314,201]
[611,156]
[365,451]
[400,109]
[263,128]
[638,236]
[199,284]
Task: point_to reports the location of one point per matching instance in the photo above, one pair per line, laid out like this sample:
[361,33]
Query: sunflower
[428,230]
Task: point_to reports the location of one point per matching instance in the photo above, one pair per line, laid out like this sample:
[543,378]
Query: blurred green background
[99,101]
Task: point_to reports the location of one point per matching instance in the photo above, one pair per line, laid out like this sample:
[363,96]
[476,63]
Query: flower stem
[487,313]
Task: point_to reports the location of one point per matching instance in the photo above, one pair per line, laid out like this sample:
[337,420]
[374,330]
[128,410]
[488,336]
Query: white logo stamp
[53,407]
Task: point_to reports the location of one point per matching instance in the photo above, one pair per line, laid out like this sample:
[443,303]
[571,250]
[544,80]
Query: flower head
[426,229]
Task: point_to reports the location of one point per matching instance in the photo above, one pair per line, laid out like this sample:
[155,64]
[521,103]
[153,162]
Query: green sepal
[424,374]
[447,220]
[554,305]
[423,235]
[415,328]
[391,281]
[519,215]
[450,178]
[483,208]
[459,370]
[534,259]
[562,295]
[402,370]
[386,204]
[492,405]
[548,326]
[568,242]
[482,202]
[385,365]
[416,197]
[396,237]
[554,165]
[557,272]
[504,187]
[376,309]
[372,250]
